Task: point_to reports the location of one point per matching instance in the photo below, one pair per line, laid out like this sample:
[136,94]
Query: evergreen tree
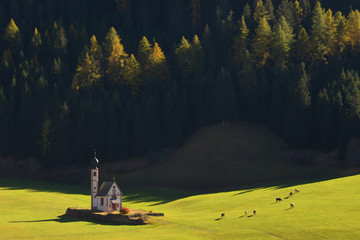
[353,30]
[283,39]
[318,34]
[241,42]
[286,9]
[60,41]
[131,74]
[12,35]
[36,39]
[88,73]
[144,51]
[261,43]
[116,60]
[156,68]
[303,46]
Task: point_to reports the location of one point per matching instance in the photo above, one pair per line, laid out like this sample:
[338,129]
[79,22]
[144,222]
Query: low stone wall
[108,218]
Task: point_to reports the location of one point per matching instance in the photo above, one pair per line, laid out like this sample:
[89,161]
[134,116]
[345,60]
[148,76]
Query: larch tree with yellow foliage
[12,34]
[353,30]
[116,60]
[156,69]
[88,73]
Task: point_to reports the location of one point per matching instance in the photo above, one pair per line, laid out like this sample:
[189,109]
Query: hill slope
[323,210]
[238,154]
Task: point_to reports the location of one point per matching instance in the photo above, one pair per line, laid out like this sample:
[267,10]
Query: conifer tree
[116,60]
[260,12]
[353,30]
[183,54]
[330,32]
[318,34]
[131,74]
[241,42]
[261,43]
[286,9]
[88,73]
[144,51]
[111,39]
[247,12]
[36,39]
[156,68]
[299,14]
[269,8]
[283,39]
[303,46]
[60,41]
[95,50]
[340,34]
[12,34]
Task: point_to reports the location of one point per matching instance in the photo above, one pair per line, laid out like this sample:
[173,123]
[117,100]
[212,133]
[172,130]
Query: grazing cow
[292,205]
[222,215]
[245,213]
[254,212]
[278,199]
[291,194]
[296,190]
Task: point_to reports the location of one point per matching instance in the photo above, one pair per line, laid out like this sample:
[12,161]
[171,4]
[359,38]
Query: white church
[109,197]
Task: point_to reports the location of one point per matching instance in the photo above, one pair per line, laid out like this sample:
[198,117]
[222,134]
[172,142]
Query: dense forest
[132,76]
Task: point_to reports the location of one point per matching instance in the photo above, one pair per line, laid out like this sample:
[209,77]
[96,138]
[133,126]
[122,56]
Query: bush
[124,210]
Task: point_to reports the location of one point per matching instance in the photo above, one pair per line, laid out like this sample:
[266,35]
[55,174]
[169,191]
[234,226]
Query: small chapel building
[108,197]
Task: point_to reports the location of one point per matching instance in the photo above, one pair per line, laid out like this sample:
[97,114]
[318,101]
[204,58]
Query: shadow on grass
[153,195]
[287,209]
[66,219]
[42,186]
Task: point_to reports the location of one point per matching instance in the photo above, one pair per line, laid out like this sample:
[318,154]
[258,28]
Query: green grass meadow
[323,210]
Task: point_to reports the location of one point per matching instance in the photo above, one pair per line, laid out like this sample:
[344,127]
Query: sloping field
[323,210]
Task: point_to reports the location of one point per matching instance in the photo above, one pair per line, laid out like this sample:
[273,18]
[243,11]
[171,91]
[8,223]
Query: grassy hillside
[323,210]
[233,155]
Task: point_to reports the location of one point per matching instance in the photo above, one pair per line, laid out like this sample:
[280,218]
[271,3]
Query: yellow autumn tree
[353,30]
[156,68]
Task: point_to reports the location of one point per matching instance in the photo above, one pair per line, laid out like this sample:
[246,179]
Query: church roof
[105,188]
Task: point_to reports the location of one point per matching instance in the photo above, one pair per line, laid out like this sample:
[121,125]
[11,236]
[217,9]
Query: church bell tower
[94,181]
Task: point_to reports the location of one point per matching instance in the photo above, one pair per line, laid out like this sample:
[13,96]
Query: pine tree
[303,46]
[156,68]
[340,34]
[260,12]
[247,12]
[261,43]
[111,40]
[60,42]
[36,39]
[241,42]
[353,30]
[318,34]
[330,30]
[144,51]
[12,35]
[116,60]
[95,50]
[88,73]
[286,9]
[299,14]
[269,8]
[183,54]
[283,39]
[131,74]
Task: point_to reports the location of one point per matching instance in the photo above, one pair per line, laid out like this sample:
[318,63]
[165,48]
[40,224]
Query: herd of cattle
[292,205]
